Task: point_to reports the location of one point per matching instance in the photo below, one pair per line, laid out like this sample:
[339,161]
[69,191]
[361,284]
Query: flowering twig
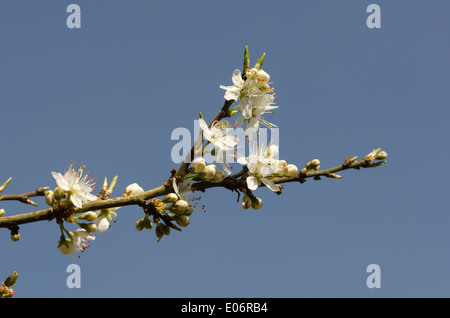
[25,197]
[71,201]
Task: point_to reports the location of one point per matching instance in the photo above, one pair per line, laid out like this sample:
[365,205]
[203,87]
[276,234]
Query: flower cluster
[253,90]
[255,95]
[173,207]
[74,189]
[263,166]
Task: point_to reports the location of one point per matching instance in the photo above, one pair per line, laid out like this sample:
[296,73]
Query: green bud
[381,155]
[148,225]
[179,207]
[164,228]
[49,199]
[11,279]
[260,62]
[64,245]
[5,184]
[170,198]
[15,237]
[182,220]
[159,233]
[90,227]
[58,194]
[313,165]
[88,216]
[246,202]
[246,60]
[2,212]
[140,224]
[256,204]
[188,211]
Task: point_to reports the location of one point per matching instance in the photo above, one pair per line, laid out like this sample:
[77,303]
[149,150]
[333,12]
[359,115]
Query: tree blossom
[80,239]
[219,135]
[133,189]
[104,218]
[252,109]
[259,165]
[77,186]
[255,96]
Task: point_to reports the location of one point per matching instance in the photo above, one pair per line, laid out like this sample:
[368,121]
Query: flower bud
[381,155]
[15,237]
[219,176]
[2,212]
[148,224]
[49,198]
[58,194]
[158,232]
[133,189]
[209,172]
[140,224]
[256,203]
[188,211]
[272,151]
[179,207]
[259,63]
[313,165]
[246,202]
[11,279]
[262,76]
[64,245]
[164,229]
[280,167]
[182,220]
[198,165]
[170,198]
[90,227]
[291,170]
[88,216]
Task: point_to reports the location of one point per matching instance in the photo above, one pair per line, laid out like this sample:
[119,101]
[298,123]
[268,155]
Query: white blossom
[77,186]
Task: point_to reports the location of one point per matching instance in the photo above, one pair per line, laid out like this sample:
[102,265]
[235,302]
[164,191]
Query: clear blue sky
[108,95]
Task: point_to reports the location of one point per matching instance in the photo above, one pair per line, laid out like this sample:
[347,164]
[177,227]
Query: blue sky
[110,94]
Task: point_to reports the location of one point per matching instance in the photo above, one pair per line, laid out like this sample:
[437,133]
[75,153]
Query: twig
[24,197]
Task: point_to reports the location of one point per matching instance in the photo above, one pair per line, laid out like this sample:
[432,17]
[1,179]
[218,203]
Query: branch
[234,184]
[24,197]
[13,221]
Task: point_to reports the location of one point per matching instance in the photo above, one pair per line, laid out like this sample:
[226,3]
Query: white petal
[271,185]
[76,200]
[242,160]
[61,181]
[237,78]
[252,183]
[240,121]
[175,186]
[102,225]
[231,95]
[246,107]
